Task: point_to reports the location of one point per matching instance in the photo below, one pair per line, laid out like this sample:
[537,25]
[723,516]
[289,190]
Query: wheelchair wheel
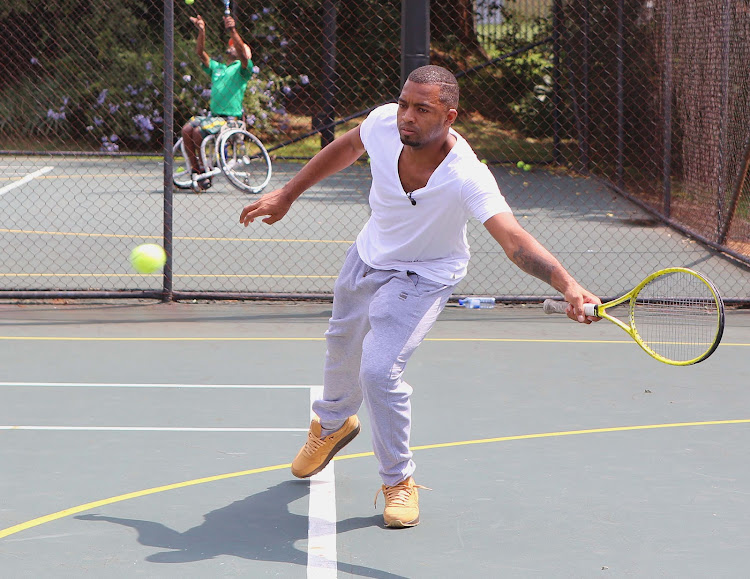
[208,153]
[244,160]
[181,169]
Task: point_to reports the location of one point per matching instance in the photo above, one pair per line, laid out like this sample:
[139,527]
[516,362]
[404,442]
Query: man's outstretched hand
[198,21]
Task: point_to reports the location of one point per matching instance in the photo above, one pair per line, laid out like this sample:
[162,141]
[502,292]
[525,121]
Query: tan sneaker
[401,504]
[318,452]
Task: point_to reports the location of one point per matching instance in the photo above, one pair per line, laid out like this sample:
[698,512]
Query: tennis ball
[148,258]
[520,164]
[189,2]
[526,167]
[484,161]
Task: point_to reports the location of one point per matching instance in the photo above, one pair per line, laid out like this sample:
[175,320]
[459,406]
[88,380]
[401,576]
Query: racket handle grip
[558,307]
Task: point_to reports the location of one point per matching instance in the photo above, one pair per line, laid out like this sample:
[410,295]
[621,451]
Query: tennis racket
[676,315]
[227,10]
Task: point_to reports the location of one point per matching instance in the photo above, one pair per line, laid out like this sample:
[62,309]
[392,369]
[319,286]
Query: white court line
[26,179]
[153,428]
[127,385]
[321,530]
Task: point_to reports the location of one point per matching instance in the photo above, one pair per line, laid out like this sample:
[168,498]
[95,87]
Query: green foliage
[103,82]
[528,74]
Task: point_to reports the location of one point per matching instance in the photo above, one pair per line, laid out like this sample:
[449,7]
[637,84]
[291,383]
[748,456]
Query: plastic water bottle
[477,303]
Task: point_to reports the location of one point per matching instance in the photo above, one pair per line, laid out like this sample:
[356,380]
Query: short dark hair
[440,76]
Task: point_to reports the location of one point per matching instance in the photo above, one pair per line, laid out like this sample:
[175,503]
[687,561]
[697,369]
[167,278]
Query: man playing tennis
[426,184]
[228,84]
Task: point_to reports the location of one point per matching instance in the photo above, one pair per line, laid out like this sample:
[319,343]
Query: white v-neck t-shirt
[428,238]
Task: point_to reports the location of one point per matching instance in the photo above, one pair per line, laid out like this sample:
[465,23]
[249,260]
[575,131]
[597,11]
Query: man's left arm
[532,257]
[244,53]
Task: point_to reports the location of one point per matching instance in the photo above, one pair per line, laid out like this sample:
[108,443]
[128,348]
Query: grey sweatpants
[379,318]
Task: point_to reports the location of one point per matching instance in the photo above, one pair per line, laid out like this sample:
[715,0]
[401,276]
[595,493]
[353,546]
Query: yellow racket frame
[600,311]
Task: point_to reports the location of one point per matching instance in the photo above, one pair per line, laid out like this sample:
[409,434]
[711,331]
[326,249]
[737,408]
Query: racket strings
[677,316]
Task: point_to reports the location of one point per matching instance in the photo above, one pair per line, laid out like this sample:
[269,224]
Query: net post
[415,36]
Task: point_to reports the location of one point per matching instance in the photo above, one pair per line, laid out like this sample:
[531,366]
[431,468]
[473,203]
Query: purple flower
[286,90]
[98,121]
[187,77]
[113,108]
[149,65]
[256,70]
[34,60]
[206,94]
[304,79]
[102,97]
[143,123]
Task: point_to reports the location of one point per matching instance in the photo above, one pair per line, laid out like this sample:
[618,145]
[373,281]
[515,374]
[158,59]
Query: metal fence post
[415,36]
[667,104]
[726,33]
[620,92]
[585,104]
[330,11]
[168,140]
[557,15]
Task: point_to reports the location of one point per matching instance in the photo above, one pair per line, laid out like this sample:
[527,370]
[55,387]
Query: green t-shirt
[228,84]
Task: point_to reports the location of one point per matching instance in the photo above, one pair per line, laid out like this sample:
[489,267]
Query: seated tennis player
[396,278]
[228,84]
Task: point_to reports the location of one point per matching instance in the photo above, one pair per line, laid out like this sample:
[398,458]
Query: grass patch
[499,145]
[488,138]
[306,148]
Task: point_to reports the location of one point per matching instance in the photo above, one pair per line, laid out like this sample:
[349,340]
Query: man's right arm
[200,42]
[338,155]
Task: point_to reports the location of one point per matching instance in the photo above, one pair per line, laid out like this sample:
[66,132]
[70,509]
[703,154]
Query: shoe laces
[312,445]
[398,495]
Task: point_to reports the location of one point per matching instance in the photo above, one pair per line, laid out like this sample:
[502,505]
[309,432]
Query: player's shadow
[259,527]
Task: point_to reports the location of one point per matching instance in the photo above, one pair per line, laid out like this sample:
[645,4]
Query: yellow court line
[120,498]
[176,237]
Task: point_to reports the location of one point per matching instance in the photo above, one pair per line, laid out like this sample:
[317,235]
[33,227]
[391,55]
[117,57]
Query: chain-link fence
[618,131]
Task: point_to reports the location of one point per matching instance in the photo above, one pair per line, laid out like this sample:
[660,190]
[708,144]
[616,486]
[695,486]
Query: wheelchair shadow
[259,527]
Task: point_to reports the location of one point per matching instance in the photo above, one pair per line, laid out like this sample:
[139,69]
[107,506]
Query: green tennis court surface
[154,440]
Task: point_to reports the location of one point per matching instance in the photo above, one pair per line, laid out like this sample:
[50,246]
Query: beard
[411,142]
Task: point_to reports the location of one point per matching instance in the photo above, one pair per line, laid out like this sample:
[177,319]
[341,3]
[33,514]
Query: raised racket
[676,315]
